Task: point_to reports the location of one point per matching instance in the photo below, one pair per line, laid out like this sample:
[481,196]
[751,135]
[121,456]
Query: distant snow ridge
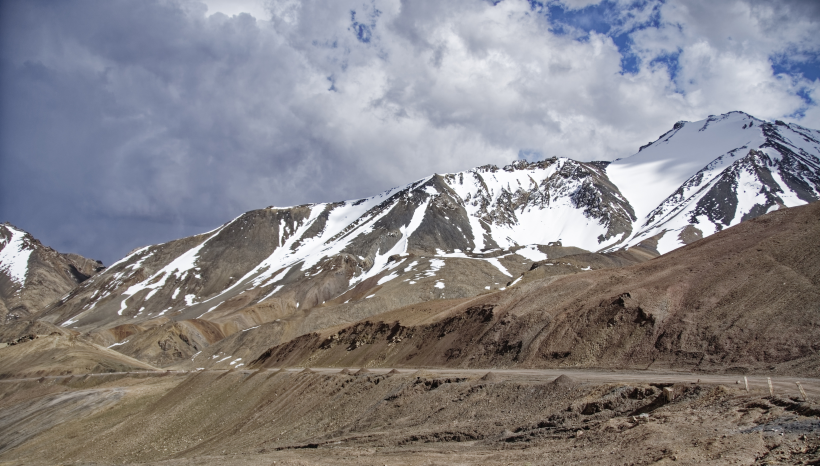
[14,254]
[694,180]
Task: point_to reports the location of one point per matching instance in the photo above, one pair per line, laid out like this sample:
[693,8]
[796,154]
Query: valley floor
[416,417]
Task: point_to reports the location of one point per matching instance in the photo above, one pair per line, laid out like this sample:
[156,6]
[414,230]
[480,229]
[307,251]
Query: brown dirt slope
[22,328]
[168,343]
[287,417]
[56,354]
[745,299]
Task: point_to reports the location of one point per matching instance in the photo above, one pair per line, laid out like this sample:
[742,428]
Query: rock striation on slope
[448,236]
[33,276]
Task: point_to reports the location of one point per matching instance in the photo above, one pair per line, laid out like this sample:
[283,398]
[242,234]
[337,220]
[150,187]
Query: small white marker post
[802,392]
[771,389]
[669,393]
[746,382]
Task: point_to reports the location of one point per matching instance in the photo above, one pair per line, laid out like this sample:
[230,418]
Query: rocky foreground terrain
[303,417]
[663,308]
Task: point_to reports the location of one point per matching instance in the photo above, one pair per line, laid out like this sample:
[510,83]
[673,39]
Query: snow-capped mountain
[32,276]
[308,255]
[703,176]
[471,227]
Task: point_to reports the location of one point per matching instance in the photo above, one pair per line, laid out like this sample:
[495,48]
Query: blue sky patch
[606,18]
[530,155]
[364,30]
[809,69]
[670,61]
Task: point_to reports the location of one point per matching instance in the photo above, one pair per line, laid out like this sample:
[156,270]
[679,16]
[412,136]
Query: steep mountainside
[745,300]
[33,276]
[449,236]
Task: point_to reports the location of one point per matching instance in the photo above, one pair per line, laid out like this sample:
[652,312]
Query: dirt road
[784,386]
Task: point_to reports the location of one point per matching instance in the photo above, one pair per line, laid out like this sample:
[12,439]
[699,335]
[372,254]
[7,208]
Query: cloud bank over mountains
[124,123]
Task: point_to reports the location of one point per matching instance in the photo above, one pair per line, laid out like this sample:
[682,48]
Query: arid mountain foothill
[662,308]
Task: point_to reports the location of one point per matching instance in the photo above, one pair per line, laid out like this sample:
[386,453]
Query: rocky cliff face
[33,276]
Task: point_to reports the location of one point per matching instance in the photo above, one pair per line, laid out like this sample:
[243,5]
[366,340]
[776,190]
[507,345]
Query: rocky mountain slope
[272,263]
[454,236]
[56,354]
[33,276]
[745,300]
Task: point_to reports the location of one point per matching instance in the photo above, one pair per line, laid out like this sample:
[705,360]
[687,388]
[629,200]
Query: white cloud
[255,8]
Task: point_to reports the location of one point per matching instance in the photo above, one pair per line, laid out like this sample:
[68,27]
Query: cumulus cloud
[129,122]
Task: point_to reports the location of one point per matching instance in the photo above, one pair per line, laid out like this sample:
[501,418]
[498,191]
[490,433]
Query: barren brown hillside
[58,354]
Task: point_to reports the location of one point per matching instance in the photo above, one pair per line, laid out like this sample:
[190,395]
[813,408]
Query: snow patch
[532,253]
[669,242]
[275,290]
[498,265]
[123,306]
[14,256]
[387,278]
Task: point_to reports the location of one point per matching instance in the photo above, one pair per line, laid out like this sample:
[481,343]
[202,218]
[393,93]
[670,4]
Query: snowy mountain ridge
[694,180]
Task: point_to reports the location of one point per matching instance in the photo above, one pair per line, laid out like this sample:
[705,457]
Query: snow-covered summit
[703,176]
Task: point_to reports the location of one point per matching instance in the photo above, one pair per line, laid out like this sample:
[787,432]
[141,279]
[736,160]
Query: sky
[132,122]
